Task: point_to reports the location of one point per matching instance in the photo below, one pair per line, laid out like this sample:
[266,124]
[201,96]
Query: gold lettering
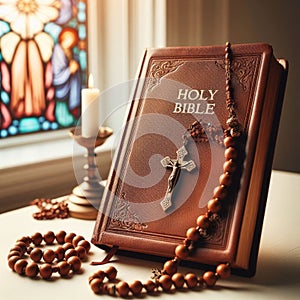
[202,95]
[192,108]
[177,108]
[198,110]
[212,94]
[182,94]
[210,108]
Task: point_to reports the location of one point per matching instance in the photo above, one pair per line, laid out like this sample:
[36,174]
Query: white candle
[90,109]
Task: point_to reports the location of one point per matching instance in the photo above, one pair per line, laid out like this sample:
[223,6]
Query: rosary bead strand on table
[169,277]
[65,258]
[50,209]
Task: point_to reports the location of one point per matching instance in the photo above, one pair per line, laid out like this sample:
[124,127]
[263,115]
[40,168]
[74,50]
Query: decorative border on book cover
[242,70]
[123,218]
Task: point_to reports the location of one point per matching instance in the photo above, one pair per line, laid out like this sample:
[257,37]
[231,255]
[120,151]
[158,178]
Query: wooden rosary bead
[36,254]
[223,271]
[60,237]
[67,246]
[77,239]
[70,252]
[49,237]
[111,273]
[214,205]
[12,261]
[81,252]
[49,256]
[22,245]
[225,179]
[229,142]
[32,270]
[210,278]
[203,221]
[191,280]
[63,268]
[85,244]
[37,238]
[96,285]
[165,282]
[122,288]
[69,237]
[231,153]
[220,192]
[193,234]
[46,271]
[229,166]
[75,263]
[149,286]
[20,266]
[136,287]
[181,251]
[60,253]
[170,267]
[178,280]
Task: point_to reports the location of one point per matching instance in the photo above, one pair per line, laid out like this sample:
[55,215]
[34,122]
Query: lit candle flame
[91,81]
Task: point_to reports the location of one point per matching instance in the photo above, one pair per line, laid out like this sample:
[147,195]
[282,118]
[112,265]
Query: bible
[159,184]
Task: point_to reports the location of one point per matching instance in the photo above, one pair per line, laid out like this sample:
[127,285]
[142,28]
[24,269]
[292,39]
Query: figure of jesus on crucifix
[177,165]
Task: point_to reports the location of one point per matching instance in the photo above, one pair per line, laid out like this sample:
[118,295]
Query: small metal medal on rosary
[199,132]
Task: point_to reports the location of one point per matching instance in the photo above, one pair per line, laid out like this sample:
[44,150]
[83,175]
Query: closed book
[176,87]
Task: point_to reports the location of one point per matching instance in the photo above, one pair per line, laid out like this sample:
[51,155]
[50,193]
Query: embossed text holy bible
[159,184]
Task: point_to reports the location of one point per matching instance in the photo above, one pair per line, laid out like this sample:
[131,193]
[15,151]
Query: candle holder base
[85,199]
[85,212]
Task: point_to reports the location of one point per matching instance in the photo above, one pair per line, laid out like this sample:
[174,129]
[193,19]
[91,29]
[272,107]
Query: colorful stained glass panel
[43,64]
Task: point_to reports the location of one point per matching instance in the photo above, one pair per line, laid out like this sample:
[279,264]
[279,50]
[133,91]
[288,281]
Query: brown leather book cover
[175,87]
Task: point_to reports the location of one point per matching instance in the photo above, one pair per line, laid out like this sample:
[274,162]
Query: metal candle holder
[85,198]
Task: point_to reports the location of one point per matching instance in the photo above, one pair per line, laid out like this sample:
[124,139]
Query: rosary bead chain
[67,256]
[214,206]
[102,283]
[169,278]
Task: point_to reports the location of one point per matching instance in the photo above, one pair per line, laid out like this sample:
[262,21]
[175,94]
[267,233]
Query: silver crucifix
[177,165]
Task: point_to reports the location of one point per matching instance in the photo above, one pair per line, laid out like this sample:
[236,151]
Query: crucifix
[177,165]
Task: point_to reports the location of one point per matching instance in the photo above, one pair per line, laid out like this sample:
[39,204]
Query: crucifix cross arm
[177,165]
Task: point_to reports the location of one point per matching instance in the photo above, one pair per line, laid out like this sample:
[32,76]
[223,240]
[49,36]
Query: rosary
[74,248]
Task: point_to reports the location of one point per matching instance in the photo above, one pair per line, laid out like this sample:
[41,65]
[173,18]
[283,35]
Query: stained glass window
[43,64]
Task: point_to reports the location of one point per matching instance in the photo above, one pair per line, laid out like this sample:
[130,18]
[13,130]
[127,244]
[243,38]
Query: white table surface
[278,269]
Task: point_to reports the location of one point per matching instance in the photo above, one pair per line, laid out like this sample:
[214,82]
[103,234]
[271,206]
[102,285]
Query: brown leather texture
[175,87]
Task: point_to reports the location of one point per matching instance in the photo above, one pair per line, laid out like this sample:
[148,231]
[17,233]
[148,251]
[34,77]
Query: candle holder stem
[85,198]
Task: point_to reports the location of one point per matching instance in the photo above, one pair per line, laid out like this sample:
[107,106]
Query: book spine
[260,177]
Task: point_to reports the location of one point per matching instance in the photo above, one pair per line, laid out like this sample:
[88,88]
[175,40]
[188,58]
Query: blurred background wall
[200,22]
